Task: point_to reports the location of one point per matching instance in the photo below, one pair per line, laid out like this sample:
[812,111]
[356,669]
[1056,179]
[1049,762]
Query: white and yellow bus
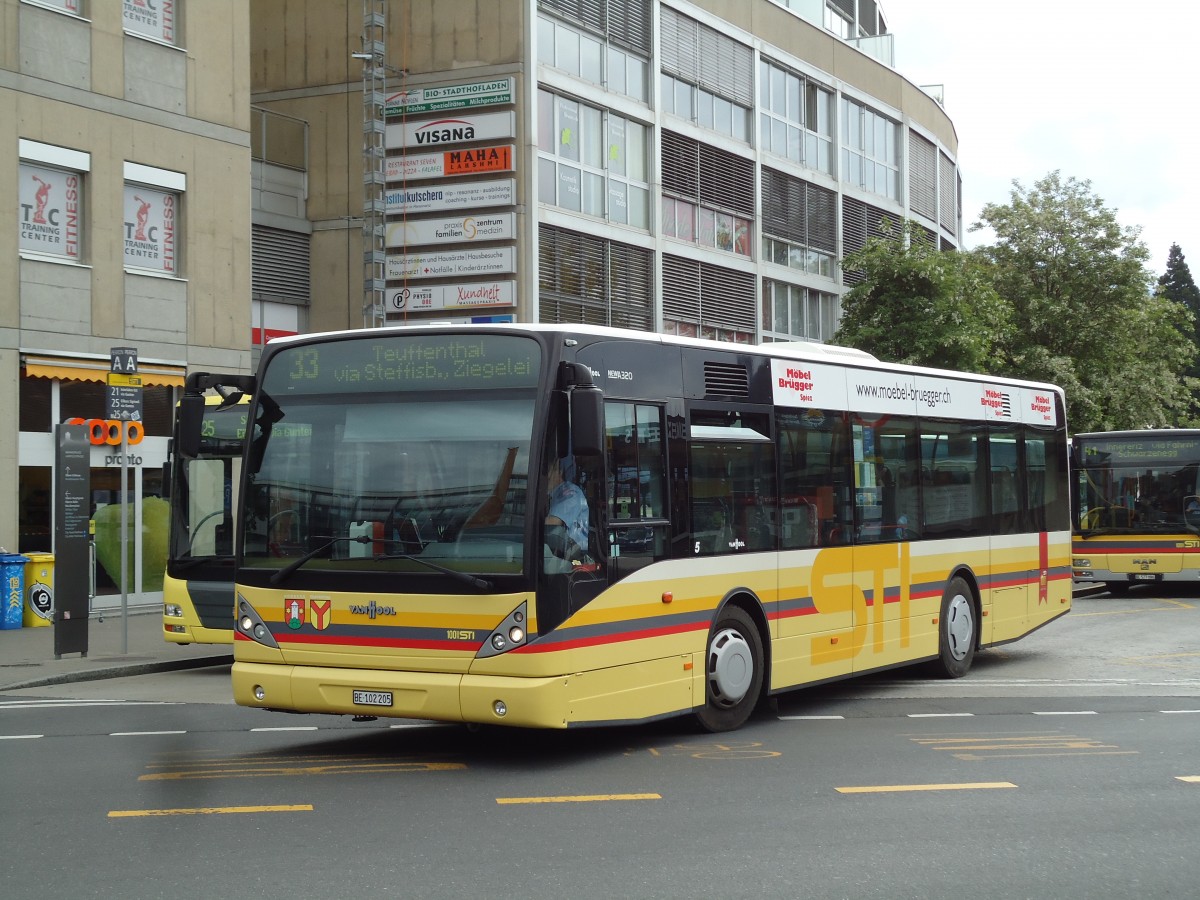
[1137,507]
[202,487]
[734,522]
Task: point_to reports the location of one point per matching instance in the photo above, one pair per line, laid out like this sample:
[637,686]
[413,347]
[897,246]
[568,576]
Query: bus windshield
[1139,484]
[204,491]
[401,453]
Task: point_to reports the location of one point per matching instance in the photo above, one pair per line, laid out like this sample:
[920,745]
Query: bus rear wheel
[958,631]
[733,672]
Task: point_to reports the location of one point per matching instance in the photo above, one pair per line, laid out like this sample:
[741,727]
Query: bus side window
[635,495]
[732,467]
[813,473]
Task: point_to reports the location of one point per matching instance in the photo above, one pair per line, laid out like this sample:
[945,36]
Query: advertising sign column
[72,509]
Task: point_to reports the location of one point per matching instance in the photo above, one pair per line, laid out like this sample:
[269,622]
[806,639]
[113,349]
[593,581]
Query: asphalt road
[1064,765]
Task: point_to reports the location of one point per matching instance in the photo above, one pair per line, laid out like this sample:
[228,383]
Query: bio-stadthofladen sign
[450,96]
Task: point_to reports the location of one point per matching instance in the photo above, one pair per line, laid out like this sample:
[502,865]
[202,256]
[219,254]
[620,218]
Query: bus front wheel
[958,631]
[733,672]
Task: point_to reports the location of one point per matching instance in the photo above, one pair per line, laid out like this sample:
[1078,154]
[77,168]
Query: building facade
[192,178]
[694,167]
[125,171]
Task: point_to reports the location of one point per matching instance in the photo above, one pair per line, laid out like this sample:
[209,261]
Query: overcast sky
[1102,90]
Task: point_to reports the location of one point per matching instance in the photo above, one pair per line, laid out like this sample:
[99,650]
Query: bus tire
[733,672]
[958,630]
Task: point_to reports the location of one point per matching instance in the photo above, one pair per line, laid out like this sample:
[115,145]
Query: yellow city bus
[202,488]
[1137,507]
[555,526]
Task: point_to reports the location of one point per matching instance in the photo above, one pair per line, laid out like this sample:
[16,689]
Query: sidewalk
[117,646]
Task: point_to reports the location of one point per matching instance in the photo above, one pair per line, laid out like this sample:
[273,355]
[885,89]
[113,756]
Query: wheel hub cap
[730,667]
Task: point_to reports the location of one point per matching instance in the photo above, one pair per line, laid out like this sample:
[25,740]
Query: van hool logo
[371,610]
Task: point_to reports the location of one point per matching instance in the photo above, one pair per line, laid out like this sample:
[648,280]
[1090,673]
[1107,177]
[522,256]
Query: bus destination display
[406,363]
[1139,451]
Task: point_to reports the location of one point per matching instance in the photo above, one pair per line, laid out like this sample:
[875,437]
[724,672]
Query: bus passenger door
[635,496]
[889,626]
[1013,561]
[815,520]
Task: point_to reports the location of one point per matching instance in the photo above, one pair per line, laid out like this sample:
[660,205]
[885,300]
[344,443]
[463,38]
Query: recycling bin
[39,590]
[12,589]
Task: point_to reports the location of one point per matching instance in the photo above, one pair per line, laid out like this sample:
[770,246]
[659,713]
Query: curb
[120,672]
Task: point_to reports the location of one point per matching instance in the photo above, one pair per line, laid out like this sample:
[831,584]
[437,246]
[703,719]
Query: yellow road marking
[1190,779]
[205,811]
[972,757]
[898,788]
[582,798]
[1043,745]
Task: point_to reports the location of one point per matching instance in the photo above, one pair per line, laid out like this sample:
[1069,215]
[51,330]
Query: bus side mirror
[188,425]
[587,421]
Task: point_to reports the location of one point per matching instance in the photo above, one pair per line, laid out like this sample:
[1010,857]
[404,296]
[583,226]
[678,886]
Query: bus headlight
[1081,563]
[172,610]
[500,708]
[251,625]
[508,635]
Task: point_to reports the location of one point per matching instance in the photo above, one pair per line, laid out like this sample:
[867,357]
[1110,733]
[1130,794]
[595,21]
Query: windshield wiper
[182,565]
[314,553]
[481,584]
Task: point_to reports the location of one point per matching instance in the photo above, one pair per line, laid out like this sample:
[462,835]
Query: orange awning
[67,369]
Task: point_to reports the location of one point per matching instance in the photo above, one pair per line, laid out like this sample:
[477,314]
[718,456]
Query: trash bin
[12,589]
[39,590]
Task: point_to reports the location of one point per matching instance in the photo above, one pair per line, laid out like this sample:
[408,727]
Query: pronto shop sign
[455,230]
[452,130]
[475,161]
[800,384]
[450,96]
[451,296]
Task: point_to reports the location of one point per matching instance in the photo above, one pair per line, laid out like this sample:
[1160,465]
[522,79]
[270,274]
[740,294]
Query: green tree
[1176,284]
[918,305]
[1083,314]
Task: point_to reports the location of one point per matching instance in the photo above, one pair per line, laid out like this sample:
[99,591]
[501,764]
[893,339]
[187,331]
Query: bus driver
[568,510]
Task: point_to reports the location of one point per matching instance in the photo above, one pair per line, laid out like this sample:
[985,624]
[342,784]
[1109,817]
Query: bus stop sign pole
[124,405]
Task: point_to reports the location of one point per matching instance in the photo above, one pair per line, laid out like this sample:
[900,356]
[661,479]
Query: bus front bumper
[443,697]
